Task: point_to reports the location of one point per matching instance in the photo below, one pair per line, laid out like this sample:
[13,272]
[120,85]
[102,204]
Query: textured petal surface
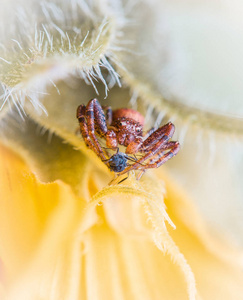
[217,265]
[106,248]
[33,214]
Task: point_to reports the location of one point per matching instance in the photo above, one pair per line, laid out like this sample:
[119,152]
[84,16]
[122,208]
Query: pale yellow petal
[216,264]
[118,267]
[108,250]
[33,214]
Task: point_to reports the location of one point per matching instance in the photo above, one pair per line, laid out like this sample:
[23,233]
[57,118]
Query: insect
[124,127]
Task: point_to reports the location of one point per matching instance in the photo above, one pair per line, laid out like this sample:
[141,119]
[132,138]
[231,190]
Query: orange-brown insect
[125,127]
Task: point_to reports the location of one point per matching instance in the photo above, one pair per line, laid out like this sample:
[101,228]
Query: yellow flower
[66,234]
[110,244]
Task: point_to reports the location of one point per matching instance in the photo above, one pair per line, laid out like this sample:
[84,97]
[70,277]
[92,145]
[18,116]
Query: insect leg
[96,123]
[99,119]
[81,110]
[163,134]
[108,114]
[174,147]
[159,146]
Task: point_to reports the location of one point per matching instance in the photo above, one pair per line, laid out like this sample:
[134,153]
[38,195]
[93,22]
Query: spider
[124,127]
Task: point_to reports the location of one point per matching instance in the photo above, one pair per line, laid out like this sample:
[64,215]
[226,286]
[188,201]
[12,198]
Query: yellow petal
[130,263]
[137,215]
[118,267]
[216,264]
[117,246]
[31,213]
